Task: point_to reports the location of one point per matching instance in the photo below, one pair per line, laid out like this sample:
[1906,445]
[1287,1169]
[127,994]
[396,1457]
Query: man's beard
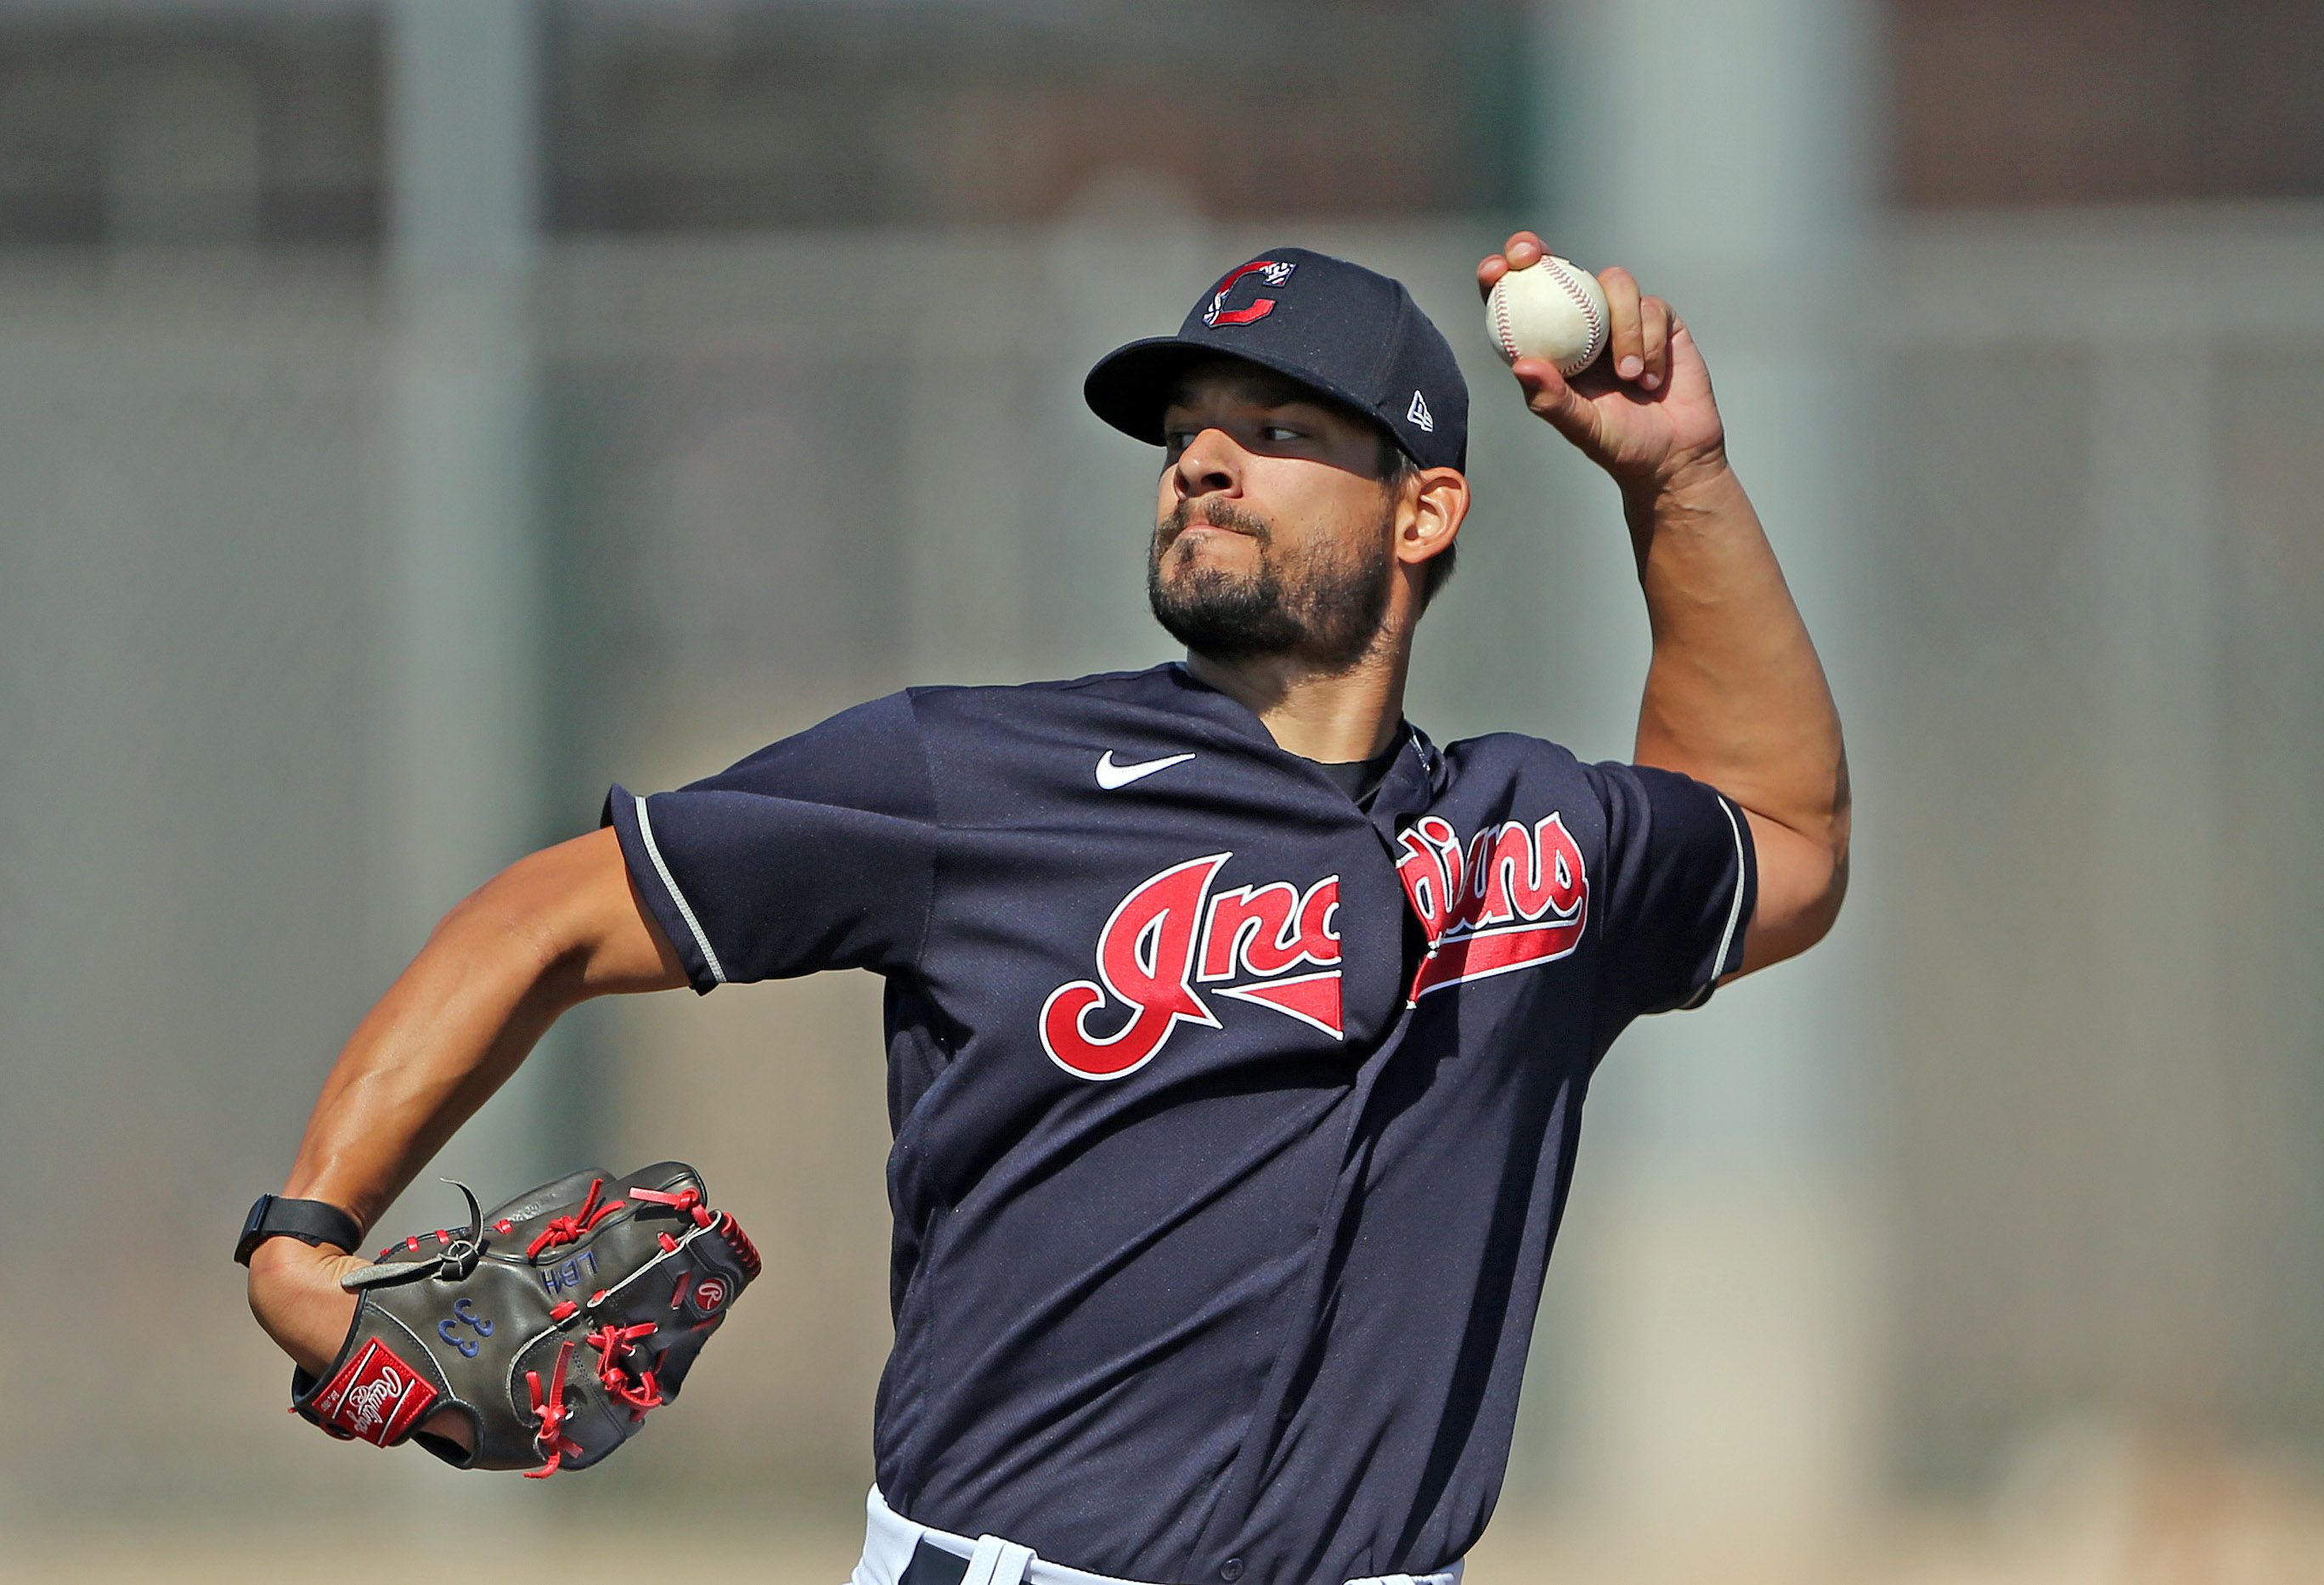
[1328,613]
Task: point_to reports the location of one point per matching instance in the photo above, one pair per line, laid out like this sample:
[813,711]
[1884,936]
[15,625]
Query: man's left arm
[1735,695]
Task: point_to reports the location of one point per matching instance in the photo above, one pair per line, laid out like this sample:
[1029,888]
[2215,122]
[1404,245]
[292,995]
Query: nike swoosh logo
[1110,776]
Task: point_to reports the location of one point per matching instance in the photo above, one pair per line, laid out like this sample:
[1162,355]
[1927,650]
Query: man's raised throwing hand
[1644,411]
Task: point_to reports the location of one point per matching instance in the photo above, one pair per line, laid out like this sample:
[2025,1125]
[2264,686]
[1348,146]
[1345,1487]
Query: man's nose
[1211,464]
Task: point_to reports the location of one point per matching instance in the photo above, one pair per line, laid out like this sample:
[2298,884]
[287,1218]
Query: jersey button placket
[1230,1570]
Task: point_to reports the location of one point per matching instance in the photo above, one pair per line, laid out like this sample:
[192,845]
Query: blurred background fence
[710,367]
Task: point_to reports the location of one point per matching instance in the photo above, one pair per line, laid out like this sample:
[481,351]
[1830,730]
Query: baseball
[1553,310]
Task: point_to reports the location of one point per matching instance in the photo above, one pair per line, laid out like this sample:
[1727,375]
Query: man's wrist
[311,1221]
[276,1255]
[1700,483]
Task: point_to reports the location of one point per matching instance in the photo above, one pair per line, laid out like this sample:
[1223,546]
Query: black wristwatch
[311,1221]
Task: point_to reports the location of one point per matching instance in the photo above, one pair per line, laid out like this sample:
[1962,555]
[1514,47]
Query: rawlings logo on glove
[494,1322]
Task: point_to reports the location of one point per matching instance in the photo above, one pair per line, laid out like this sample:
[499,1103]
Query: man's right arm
[554,929]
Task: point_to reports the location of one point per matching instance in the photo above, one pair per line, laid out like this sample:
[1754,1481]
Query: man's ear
[1427,526]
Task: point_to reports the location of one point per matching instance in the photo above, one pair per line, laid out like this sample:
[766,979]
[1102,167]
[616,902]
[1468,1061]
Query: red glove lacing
[551,1414]
[567,1230]
[613,1344]
[739,1242]
[688,1200]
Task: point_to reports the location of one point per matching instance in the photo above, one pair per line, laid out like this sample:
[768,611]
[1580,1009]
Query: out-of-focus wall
[2108,612]
[193,495]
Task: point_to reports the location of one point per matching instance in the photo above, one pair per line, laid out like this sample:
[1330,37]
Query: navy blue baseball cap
[1351,333]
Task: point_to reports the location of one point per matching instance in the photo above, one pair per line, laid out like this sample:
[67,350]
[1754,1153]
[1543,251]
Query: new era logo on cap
[1349,333]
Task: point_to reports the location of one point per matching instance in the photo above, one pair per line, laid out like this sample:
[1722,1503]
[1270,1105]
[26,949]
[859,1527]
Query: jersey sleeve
[1683,876]
[817,852]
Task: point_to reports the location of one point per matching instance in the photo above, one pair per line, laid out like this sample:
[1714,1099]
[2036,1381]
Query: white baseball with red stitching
[1553,310]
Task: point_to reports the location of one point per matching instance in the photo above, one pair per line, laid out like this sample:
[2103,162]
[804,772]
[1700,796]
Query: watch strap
[311,1221]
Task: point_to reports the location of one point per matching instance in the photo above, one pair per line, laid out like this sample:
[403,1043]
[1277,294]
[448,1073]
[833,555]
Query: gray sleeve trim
[1734,909]
[1734,913]
[684,909]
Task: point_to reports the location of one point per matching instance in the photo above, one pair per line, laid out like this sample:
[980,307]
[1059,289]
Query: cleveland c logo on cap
[1218,313]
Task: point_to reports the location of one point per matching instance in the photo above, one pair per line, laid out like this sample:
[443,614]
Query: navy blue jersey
[1232,1121]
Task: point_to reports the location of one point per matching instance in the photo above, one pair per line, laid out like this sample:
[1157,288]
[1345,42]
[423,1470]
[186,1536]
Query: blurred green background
[415,414]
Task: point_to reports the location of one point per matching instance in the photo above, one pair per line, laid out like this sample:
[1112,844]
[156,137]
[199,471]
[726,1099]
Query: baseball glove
[555,1322]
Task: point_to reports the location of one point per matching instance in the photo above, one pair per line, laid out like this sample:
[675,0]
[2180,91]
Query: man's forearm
[1735,695]
[450,1030]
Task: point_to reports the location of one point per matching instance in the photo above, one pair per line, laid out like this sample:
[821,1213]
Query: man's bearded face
[1321,600]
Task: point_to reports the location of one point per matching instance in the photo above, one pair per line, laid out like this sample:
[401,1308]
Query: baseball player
[1238,1032]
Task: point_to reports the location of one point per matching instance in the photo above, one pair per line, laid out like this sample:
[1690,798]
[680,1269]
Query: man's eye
[1180,440]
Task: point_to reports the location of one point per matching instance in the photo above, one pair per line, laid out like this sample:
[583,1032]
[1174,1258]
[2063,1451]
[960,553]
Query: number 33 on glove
[555,1322]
